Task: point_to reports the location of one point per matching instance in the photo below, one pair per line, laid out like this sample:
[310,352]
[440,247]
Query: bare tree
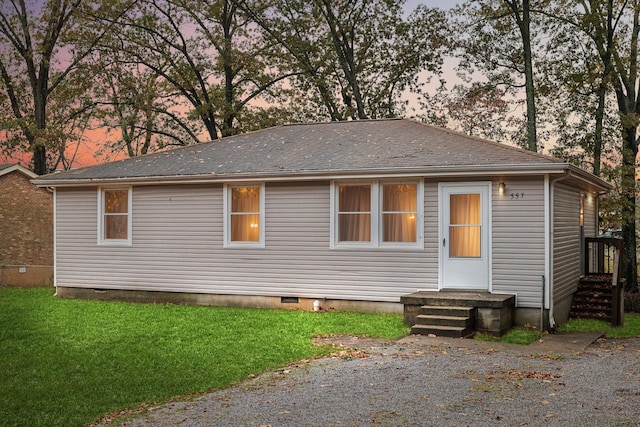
[498,41]
[355,58]
[207,54]
[38,60]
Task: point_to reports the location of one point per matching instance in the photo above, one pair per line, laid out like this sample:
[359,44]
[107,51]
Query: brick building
[26,229]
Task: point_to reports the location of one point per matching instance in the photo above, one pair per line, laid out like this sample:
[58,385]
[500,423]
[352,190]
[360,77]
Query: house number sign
[517,196]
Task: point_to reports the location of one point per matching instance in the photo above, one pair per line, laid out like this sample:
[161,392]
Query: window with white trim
[115,215]
[399,213]
[244,215]
[354,213]
[377,214]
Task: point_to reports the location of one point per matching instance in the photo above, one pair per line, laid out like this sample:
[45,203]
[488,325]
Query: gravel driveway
[429,382]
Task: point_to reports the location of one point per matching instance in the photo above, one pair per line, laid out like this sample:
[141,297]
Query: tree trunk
[40,110]
[597,137]
[228,12]
[604,44]
[40,159]
[630,268]
[524,24]
[628,106]
[532,137]
[343,44]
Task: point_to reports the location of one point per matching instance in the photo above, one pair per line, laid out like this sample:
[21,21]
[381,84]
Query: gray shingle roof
[316,149]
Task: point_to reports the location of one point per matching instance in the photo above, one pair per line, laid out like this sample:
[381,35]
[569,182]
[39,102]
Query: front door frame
[487,190]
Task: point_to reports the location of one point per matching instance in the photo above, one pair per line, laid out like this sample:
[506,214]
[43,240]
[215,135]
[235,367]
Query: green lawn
[525,336]
[67,362]
[630,329]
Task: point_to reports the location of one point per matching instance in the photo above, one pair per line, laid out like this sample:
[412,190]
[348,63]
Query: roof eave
[448,171]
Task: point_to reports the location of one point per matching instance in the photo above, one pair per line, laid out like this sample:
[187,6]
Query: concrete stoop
[445,321]
[458,314]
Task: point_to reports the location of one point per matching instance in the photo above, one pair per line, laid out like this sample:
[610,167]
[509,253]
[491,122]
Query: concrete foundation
[531,317]
[561,309]
[247,301]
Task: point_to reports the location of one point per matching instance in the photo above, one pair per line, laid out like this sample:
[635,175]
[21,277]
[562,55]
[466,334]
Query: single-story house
[26,229]
[347,215]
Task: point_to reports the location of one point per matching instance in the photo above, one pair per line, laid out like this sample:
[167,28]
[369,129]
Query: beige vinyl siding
[566,240]
[518,239]
[431,239]
[168,239]
[76,225]
[590,216]
[177,245]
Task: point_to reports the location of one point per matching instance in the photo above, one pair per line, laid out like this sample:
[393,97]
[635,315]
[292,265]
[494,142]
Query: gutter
[433,172]
[589,178]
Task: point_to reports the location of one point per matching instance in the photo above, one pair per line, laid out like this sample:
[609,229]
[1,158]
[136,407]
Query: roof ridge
[384,119]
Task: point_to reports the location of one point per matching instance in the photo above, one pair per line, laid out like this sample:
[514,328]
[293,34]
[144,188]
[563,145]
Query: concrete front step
[441,310]
[459,299]
[492,313]
[436,320]
[442,331]
[448,321]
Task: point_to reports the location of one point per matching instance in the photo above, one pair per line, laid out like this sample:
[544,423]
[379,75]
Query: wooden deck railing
[603,255]
[600,253]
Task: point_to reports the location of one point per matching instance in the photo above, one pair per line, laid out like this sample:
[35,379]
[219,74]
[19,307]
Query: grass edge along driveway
[67,362]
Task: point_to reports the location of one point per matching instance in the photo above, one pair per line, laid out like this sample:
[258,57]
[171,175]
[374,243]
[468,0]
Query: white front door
[464,235]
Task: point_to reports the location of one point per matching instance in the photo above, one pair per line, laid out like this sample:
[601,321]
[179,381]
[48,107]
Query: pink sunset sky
[86,152]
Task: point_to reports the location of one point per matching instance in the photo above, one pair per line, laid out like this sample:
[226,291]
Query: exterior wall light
[501,188]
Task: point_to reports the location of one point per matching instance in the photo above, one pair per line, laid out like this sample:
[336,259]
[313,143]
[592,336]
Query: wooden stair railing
[599,293]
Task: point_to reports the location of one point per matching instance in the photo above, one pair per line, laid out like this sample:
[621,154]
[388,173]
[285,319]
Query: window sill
[244,245]
[115,243]
[386,247]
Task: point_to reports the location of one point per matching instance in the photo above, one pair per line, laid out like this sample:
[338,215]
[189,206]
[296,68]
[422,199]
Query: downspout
[549,240]
[544,296]
[55,240]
